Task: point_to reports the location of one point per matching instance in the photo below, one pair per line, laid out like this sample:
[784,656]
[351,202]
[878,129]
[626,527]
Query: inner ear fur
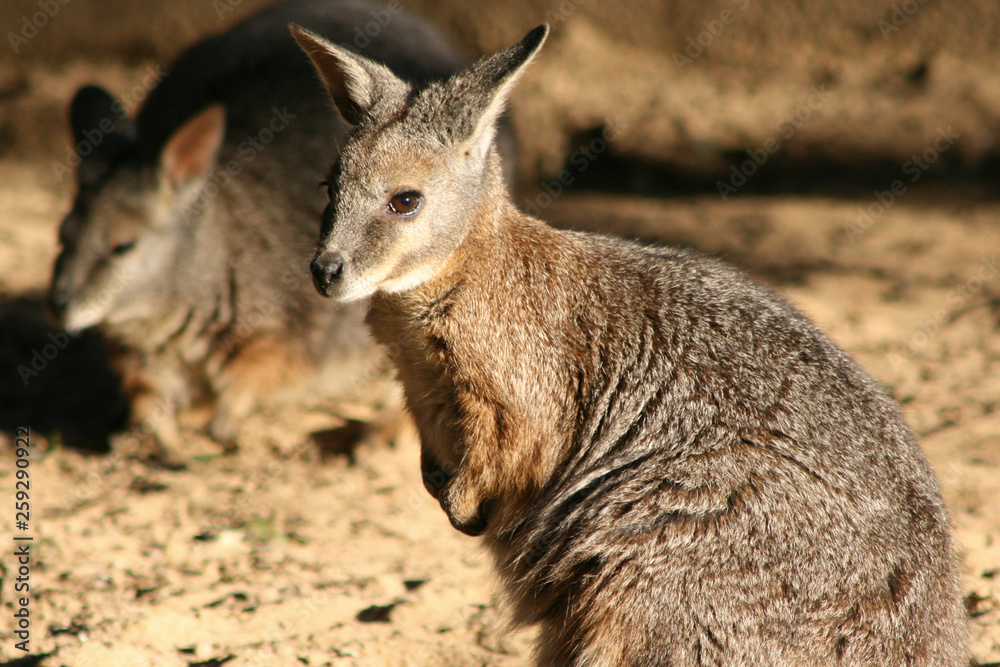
[192,149]
[357,85]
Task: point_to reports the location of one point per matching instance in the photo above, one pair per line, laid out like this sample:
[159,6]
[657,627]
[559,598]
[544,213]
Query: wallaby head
[127,229]
[418,171]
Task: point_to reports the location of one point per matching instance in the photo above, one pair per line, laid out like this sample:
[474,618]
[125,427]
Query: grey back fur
[669,464]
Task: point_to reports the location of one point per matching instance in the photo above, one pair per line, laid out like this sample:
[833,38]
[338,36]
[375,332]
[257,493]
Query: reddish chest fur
[482,363]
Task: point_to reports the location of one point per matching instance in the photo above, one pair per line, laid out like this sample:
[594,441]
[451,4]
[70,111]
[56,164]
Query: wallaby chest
[419,336]
[486,391]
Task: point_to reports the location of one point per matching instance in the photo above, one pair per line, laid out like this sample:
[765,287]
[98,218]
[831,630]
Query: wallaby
[186,235]
[670,464]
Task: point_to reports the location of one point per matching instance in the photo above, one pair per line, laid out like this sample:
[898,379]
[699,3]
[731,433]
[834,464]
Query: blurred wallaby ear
[102,131]
[360,87]
[480,93]
[191,150]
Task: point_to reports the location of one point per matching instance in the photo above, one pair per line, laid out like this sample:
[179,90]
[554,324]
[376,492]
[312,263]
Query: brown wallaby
[670,464]
[187,233]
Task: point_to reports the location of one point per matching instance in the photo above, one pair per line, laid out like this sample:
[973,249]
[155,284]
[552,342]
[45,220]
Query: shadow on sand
[54,383]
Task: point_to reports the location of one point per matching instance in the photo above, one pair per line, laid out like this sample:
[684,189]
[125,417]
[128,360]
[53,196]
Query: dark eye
[406,202]
[329,189]
[122,248]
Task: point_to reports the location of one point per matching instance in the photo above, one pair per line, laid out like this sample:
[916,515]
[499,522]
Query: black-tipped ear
[102,131]
[484,89]
[502,69]
[359,86]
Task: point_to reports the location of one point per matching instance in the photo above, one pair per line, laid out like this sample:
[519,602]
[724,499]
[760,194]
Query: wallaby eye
[406,202]
[122,248]
[329,189]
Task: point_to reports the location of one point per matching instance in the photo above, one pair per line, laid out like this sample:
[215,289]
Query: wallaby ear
[484,89]
[102,131]
[358,86]
[191,150]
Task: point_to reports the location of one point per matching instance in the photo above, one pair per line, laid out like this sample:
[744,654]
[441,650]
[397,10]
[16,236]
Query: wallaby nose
[58,300]
[327,268]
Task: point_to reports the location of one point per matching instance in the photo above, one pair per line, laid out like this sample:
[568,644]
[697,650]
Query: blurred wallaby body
[192,226]
[670,465]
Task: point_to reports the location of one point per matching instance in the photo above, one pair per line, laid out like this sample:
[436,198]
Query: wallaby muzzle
[327,268]
[60,294]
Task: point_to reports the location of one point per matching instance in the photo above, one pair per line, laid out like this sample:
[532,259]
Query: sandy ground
[295,552]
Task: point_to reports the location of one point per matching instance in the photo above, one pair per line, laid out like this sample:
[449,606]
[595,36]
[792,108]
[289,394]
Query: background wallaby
[187,235]
[669,463]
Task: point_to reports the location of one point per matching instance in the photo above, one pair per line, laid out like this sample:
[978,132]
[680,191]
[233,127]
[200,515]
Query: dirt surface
[315,546]
[284,554]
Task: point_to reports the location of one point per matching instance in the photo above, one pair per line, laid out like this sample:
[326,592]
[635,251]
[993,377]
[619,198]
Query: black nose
[58,300]
[327,268]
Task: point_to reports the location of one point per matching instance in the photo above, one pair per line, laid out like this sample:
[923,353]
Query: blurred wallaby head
[126,233]
[418,171]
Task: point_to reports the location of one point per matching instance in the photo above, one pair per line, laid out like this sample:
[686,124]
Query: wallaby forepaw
[166,459]
[222,429]
[149,449]
[467,512]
